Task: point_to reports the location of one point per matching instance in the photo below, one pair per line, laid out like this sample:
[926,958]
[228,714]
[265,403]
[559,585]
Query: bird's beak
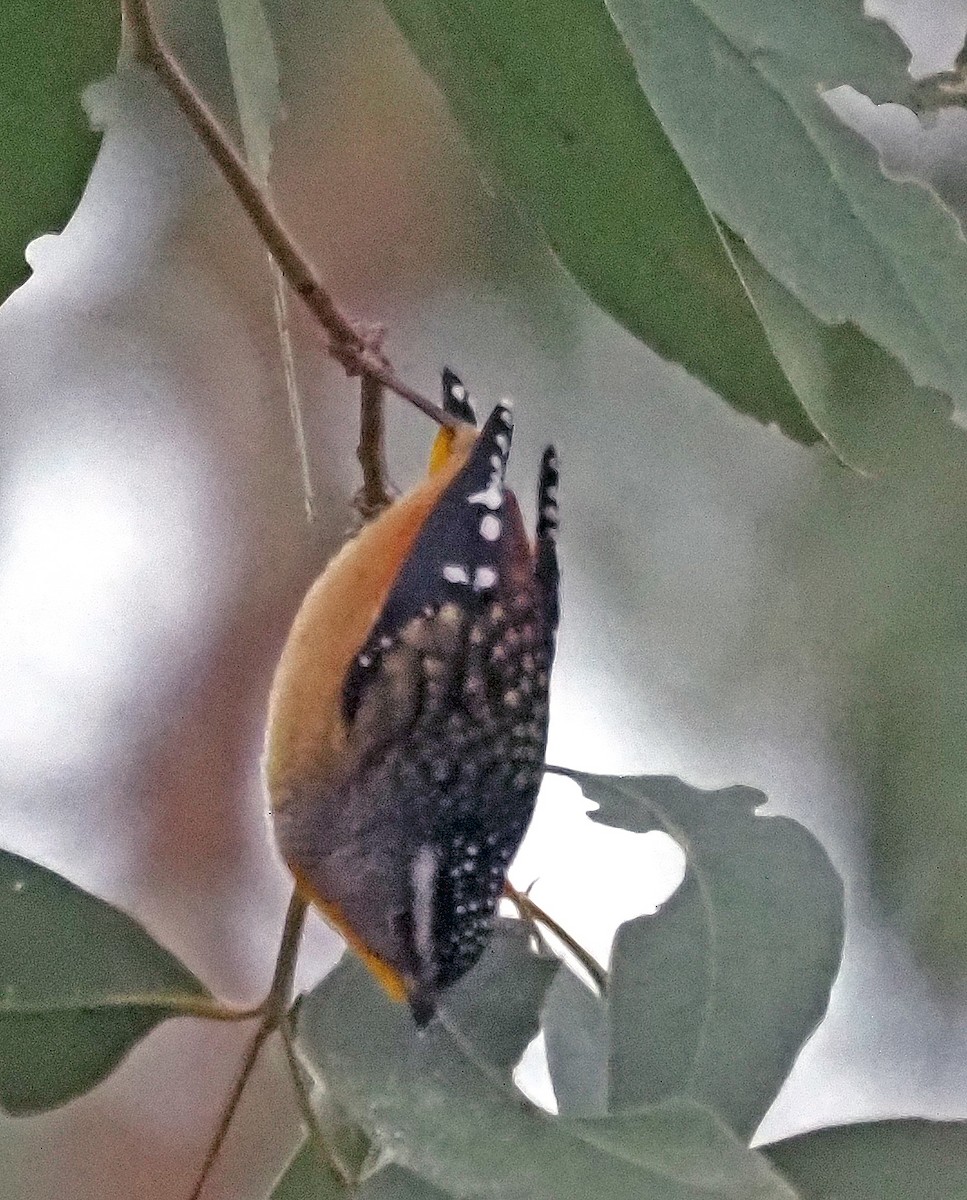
[422,1003]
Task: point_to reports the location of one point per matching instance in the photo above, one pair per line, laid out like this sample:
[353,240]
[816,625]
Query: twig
[231,1105]
[375,494]
[273,1010]
[356,349]
[533,912]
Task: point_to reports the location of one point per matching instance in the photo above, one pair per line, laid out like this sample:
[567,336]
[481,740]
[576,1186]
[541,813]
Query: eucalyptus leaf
[498,1006]
[80,983]
[877,1160]
[858,396]
[498,1003]
[308,1177]
[254,69]
[547,95]
[575,1022]
[49,52]
[395,1183]
[342,1137]
[446,1115]
[738,89]
[689,1144]
[713,997]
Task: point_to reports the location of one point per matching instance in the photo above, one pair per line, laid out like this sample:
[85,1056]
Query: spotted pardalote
[408,716]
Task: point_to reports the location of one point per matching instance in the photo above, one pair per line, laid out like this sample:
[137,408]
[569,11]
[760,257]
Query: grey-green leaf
[860,398]
[499,1002]
[689,1144]
[575,1023]
[458,1123]
[308,1177]
[49,52]
[396,1183]
[878,1160]
[254,69]
[547,94]
[80,983]
[738,88]
[713,997]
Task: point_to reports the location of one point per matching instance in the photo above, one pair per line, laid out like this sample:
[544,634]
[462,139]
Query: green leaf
[49,52]
[308,1177]
[878,1160]
[737,87]
[254,69]
[499,1001]
[458,1123]
[859,397]
[682,1140]
[498,1005]
[80,983]
[713,997]
[395,1183]
[345,1142]
[547,95]
[907,740]
[576,1040]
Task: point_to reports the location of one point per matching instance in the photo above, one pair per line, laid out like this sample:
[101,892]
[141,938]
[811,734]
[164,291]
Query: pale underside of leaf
[910,1159]
[254,69]
[738,90]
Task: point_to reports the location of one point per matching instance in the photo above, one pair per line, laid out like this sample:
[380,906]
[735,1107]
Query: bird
[408,716]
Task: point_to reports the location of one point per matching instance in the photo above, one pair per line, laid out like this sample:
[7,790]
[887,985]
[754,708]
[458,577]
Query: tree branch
[356,348]
[376,493]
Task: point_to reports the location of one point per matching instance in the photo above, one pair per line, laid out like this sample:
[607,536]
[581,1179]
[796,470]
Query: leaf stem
[533,912]
[356,348]
[273,1011]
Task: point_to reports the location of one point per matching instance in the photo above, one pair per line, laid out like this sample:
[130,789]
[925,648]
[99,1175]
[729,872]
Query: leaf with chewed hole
[435,1106]
[712,997]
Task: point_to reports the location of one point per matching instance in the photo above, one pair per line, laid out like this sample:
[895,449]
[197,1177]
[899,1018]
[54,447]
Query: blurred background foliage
[737,608]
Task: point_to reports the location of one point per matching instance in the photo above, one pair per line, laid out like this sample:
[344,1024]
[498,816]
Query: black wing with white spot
[456,398]
[456,556]
[546,570]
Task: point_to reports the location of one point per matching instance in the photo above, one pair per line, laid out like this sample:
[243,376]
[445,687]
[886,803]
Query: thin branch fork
[273,1012]
[355,347]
